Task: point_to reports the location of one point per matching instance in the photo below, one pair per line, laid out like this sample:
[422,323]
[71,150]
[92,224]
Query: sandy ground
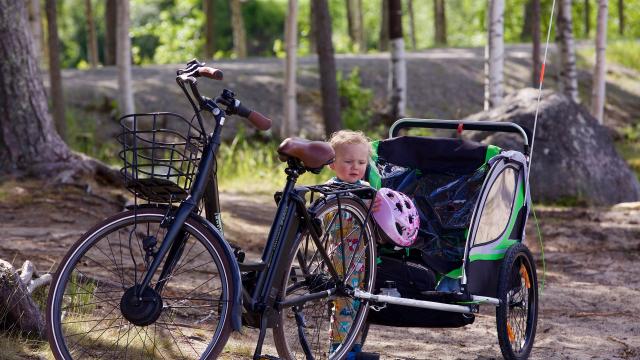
[589,306]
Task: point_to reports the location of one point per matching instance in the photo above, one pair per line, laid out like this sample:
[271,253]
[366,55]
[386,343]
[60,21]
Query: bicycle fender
[236,309]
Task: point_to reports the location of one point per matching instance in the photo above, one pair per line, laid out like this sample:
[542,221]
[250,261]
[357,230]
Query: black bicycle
[160,281]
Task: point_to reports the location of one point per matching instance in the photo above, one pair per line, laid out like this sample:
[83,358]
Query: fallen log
[18,310]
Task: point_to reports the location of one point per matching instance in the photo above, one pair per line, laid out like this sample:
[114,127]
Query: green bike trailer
[473,201]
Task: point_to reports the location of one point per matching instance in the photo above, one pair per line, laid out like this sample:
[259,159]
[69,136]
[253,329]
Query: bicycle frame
[291,221]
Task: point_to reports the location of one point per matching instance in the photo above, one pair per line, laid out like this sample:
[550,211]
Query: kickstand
[257,355]
[303,339]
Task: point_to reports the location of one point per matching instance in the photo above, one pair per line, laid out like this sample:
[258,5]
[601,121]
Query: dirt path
[589,306]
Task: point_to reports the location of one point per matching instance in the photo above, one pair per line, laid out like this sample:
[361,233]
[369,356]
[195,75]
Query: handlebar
[196,69]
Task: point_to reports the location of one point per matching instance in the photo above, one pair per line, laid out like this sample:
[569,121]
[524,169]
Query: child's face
[351,162]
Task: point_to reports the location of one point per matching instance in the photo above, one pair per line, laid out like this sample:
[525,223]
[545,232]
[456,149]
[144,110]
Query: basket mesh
[161,153]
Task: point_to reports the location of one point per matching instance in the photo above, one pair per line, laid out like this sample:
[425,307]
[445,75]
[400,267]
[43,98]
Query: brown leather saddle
[312,154]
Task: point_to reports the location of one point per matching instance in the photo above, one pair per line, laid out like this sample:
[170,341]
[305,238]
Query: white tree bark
[123,59]
[600,69]
[494,55]
[290,124]
[237,25]
[568,74]
[397,66]
[398,79]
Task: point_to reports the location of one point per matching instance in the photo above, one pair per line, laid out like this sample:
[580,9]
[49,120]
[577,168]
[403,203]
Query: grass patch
[250,166]
[621,52]
[15,347]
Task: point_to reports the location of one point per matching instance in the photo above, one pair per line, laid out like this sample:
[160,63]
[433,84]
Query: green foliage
[625,53]
[81,137]
[355,101]
[171,31]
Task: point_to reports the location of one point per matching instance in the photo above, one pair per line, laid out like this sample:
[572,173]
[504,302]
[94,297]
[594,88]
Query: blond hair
[343,137]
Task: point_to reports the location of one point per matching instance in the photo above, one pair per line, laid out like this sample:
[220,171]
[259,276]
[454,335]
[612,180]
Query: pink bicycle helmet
[397,217]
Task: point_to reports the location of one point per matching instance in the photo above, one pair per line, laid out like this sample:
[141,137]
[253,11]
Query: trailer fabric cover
[443,177]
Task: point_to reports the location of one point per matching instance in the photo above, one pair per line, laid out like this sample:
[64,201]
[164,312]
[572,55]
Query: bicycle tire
[517,315]
[85,316]
[306,274]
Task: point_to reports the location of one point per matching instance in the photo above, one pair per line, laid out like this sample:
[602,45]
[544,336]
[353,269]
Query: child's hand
[377,202]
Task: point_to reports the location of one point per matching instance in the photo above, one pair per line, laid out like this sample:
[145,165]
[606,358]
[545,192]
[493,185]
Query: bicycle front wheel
[96,311]
[329,327]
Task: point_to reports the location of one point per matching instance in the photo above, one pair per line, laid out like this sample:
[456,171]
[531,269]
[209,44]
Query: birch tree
[600,69]
[494,55]
[123,59]
[55,76]
[397,86]
[327,67]
[568,79]
[239,34]
[92,41]
[290,123]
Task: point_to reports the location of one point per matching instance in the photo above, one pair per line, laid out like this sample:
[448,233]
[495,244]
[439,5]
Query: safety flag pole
[544,61]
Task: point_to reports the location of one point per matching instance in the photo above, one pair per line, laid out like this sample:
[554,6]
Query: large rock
[573,158]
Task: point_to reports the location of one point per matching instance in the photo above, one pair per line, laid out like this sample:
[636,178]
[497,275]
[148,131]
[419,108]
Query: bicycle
[160,281]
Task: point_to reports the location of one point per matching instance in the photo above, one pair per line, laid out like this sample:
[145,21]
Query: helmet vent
[399,206]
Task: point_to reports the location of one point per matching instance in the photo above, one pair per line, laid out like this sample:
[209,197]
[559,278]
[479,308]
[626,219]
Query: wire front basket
[161,153]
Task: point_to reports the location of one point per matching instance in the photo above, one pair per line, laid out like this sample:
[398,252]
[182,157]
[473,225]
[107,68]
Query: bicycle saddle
[312,154]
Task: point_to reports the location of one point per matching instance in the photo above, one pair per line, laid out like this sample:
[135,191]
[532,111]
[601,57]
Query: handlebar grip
[211,73]
[260,121]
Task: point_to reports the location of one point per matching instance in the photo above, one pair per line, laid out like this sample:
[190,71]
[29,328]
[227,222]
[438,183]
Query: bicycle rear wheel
[92,310]
[333,324]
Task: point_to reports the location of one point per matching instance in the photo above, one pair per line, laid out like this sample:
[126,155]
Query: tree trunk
[111,17]
[440,22]
[621,17]
[568,76]
[535,32]
[237,24]
[494,54]
[92,43]
[312,30]
[587,18]
[123,54]
[327,67]
[35,20]
[290,124]
[28,138]
[29,143]
[55,76]
[209,29]
[383,42]
[412,24]
[397,67]
[527,26]
[354,22]
[600,69]
[362,39]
